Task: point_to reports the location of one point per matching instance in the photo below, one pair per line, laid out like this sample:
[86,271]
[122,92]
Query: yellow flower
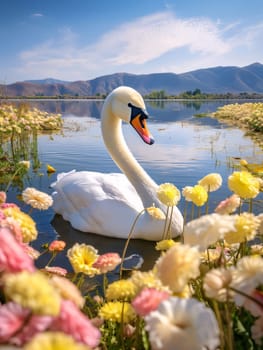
[156,213]
[211,182]
[142,279]
[25,163]
[54,341]
[165,244]
[117,311]
[246,225]
[82,257]
[120,290]
[26,223]
[168,194]
[244,184]
[37,199]
[33,291]
[197,194]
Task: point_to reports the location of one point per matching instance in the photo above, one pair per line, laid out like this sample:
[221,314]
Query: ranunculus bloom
[34,325]
[216,283]
[54,341]
[177,266]
[37,199]
[73,322]
[196,194]
[156,213]
[229,205]
[120,290]
[246,225]
[250,305]
[57,246]
[165,244]
[148,300]
[117,311]
[107,262]
[13,258]
[244,184]
[55,270]
[207,229]
[211,182]
[33,291]
[149,279]
[168,194]
[182,324]
[246,277]
[67,290]
[12,318]
[26,223]
[82,257]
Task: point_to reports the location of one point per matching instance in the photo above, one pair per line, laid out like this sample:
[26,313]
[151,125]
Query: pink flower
[148,300]
[254,308]
[229,205]
[8,205]
[107,262]
[36,324]
[12,317]
[56,246]
[56,270]
[73,322]
[13,258]
[13,225]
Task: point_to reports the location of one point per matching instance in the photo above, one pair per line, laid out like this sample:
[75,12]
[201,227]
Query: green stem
[220,324]
[52,258]
[128,240]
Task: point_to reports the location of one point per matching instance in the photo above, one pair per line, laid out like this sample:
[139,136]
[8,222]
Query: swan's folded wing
[97,202]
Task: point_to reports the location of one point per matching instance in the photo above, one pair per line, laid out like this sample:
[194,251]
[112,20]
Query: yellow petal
[50,169]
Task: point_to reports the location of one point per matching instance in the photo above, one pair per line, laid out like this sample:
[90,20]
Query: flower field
[247,116]
[205,291]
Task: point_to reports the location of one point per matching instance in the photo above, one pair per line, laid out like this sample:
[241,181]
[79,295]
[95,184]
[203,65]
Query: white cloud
[142,45]
[37,15]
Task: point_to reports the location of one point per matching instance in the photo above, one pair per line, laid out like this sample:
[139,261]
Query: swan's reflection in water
[145,249]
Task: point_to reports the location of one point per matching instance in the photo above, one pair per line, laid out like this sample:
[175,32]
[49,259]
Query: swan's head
[128,105]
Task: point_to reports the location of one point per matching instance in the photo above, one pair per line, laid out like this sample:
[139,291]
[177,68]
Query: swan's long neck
[113,138]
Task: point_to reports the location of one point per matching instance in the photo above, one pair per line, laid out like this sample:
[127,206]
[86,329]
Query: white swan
[108,204]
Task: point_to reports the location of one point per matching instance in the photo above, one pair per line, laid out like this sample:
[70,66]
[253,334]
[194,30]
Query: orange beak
[138,121]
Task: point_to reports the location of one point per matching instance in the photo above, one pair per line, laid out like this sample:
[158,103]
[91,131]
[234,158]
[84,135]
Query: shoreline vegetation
[196,94]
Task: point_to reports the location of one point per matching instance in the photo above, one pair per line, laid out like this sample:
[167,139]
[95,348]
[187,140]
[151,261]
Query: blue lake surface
[186,149]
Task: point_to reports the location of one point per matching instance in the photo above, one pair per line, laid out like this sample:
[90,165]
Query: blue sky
[83,39]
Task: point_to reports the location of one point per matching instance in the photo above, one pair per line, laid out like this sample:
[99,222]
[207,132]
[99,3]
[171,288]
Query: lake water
[186,149]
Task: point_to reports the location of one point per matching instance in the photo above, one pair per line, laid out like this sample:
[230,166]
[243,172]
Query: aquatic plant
[19,129]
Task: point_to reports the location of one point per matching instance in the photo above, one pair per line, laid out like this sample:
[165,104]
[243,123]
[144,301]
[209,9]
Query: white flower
[182,324]
[207,230]
[247,276]
[37,199]
[216,282]
[177,266]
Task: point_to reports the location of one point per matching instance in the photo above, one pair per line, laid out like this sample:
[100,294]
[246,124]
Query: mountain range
[229,79]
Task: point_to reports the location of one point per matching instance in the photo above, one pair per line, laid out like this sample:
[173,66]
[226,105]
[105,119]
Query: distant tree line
[199,95]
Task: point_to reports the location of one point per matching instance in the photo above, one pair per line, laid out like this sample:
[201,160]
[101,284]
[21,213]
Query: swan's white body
[108,204]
